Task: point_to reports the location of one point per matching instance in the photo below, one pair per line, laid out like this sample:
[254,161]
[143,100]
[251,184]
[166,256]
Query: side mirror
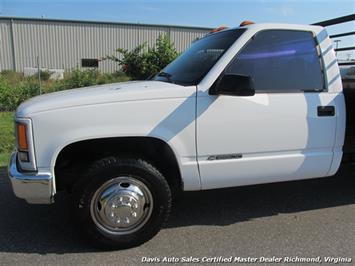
[235,85]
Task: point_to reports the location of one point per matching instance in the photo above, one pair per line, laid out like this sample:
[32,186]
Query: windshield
[192,65]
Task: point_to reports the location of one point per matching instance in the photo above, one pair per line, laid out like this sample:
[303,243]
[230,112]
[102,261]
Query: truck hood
[108,93]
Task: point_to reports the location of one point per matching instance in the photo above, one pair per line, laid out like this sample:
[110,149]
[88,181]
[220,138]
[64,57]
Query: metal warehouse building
[67,44]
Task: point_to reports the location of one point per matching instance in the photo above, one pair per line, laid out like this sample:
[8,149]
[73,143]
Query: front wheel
[122,203]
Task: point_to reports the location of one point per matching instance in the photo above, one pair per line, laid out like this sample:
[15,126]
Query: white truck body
[218,140]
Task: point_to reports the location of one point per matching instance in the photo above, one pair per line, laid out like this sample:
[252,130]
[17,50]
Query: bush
[15,88]
[76,79]
[7,137]
[5,92]
[44,75]
[160,55]
[27,89]
[12,96]
[112,78]
[12,77]
[83,78]
[143,62]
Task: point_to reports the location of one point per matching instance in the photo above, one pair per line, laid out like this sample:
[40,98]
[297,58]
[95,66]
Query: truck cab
[254,104]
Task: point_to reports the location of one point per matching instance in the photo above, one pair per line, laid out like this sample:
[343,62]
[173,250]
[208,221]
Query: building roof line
[102,22]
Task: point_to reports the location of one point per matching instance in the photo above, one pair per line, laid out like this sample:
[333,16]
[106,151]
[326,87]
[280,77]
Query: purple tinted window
[280,60]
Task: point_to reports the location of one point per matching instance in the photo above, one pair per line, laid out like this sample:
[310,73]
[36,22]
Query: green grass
[7,139]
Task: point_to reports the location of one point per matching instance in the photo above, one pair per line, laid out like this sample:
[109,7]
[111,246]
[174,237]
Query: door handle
[326,110]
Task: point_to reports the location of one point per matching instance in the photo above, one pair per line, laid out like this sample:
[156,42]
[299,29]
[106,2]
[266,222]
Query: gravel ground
[305,218]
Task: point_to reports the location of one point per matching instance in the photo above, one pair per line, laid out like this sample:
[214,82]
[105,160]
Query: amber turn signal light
[22,137]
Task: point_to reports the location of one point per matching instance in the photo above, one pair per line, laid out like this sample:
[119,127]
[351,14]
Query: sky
[204,13]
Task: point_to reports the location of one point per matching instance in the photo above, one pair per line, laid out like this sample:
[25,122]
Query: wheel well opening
[75,159]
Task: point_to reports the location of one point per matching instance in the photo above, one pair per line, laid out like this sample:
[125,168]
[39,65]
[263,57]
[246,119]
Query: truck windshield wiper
[166,75]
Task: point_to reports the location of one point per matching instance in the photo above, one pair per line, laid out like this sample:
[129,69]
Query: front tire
[122,203]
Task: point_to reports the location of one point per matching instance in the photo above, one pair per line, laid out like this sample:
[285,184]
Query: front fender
[171,120]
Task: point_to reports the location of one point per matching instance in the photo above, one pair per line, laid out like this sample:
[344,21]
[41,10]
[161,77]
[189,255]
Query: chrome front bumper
[35,188]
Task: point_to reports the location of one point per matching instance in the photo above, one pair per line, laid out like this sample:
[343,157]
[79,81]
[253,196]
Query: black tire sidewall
[141,171]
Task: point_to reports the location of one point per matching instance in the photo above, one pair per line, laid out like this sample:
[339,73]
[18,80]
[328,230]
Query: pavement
[300,219]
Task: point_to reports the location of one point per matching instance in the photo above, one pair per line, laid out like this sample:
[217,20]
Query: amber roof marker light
[246,23]
[218,29]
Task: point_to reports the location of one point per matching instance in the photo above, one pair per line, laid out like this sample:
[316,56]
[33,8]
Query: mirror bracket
[234,85]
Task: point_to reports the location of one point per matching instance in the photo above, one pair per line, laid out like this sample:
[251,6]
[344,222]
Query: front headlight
[24,143]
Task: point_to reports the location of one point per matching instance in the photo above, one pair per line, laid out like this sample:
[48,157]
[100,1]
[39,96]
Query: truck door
[286,131]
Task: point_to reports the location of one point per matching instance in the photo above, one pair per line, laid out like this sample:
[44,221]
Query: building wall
[6,55]
[62,44]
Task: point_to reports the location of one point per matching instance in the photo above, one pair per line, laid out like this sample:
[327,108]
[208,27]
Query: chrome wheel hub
[125,209]
[121,205]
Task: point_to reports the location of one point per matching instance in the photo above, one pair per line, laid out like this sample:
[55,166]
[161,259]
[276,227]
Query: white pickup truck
[254,104]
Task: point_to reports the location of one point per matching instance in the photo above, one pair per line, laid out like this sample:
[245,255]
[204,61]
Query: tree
[144,61]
